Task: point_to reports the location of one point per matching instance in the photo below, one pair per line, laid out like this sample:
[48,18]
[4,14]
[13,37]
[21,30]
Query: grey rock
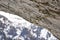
[45,13]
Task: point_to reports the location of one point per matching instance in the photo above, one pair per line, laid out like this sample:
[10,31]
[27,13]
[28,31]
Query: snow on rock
[13,27]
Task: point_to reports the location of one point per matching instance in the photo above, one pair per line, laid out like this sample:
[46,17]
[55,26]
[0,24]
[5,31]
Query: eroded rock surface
[45,13]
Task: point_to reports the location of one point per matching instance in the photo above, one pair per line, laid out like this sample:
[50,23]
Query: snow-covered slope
[13,27]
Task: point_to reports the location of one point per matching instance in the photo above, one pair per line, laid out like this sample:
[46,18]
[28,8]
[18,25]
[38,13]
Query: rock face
[45,13]
[13,27]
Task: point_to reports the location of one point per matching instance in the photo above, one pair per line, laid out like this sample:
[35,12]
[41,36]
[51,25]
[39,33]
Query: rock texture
[13,27]
[44,13]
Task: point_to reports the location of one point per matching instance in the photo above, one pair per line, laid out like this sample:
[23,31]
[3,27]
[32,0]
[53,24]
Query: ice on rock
[13,27]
